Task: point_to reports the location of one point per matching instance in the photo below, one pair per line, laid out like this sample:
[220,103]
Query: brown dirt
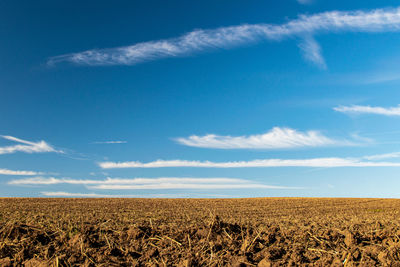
[199,232]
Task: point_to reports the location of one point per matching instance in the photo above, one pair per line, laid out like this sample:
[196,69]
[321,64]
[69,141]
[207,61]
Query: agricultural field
[200,232]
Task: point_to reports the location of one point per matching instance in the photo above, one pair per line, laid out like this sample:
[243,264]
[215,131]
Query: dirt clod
[5,262]
[264,263]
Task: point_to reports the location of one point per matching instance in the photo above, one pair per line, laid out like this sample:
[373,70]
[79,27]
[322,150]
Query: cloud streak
[95,195]
[259,163]
[52,180]
[355,109]
[312,52]
[111,142]
[26,146]
[392,155]
[304,27]
[277,138]
[304,2]
[24,173]
[150,183]
[85,195]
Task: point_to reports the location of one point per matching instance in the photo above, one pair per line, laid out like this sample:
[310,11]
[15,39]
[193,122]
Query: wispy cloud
[312,52]
[53,180]
[186,186]
[110,142]
[86,195]
[379,77]
[95,195]
[304,2]
[305,26]
[260,163]
[384,156]
[151,183]
[277,138]
[36,181]
[11,172]
[26,146]
[355,109]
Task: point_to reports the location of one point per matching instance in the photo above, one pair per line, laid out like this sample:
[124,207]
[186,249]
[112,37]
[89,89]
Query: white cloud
[36,181]
[378,20]
[391,111]
[94,195]
[276,138]
[27,147]
[362,139]
[185,186]
[111,142]
[11,172]
[383,156]
[150,183]
[312,52]
[263,163]
[52,180]
[84,195]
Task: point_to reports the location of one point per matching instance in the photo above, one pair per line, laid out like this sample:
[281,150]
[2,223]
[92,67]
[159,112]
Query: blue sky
[205,99]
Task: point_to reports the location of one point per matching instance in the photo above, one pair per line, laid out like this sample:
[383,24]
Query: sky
[205,99]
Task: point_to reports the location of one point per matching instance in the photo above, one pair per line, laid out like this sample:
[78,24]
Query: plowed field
[199,232]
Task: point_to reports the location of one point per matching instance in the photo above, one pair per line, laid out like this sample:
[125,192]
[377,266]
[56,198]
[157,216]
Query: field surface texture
[200,232]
